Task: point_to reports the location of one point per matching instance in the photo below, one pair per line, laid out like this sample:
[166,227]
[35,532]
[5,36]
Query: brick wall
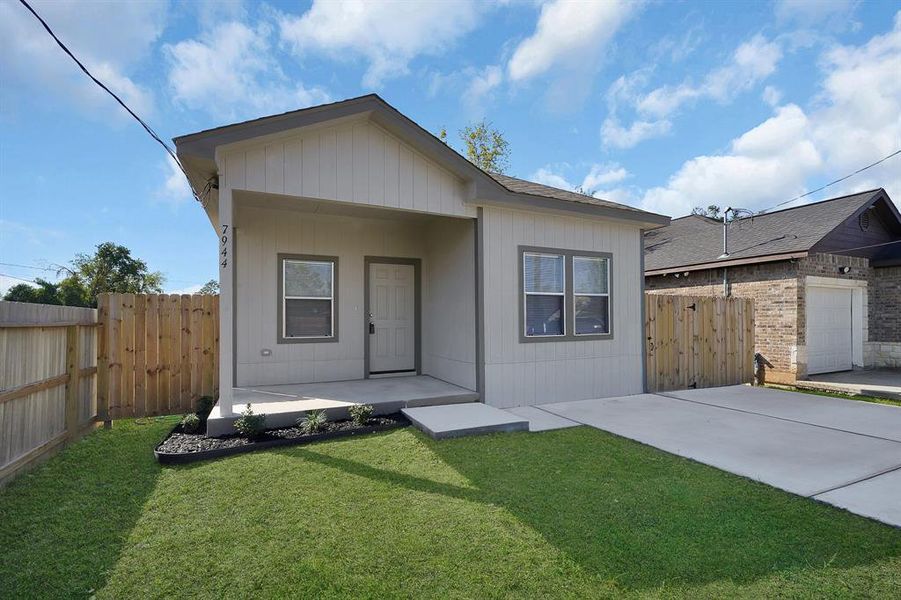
[774,288]
[885,305]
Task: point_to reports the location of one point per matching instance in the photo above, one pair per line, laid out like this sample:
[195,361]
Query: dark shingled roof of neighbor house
[695,240]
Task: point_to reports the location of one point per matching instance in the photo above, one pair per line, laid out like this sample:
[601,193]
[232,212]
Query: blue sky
[662,105]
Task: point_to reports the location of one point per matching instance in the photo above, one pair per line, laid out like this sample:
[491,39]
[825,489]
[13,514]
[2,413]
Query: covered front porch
[284,404]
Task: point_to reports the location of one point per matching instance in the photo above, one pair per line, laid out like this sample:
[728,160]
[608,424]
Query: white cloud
[771,95]
[768,163]
[111,42]
[175,189]
[845,130]
[191,289]
[229,71]
[569,35]
[752,62]
[546,176]
[603,175]
[388,34]
[809,12]
[614,134]
[481,87]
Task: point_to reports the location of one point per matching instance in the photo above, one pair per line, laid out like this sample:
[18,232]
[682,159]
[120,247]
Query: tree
[112,268]
[585,191]
[210,288]
[46,292]
[486,147]
[712,211]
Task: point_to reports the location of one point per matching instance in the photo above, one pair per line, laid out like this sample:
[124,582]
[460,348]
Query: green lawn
[572,513]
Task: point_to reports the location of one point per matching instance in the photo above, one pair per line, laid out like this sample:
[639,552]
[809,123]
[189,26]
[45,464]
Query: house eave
[718,264]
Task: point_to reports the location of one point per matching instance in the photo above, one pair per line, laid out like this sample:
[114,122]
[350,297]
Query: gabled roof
[695,242]
[197,151]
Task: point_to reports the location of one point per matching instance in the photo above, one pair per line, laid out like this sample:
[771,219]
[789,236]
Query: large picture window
[308,298]
[544,282]
[565,294]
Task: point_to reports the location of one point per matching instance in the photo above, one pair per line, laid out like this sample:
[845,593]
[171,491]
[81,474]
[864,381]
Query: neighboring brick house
[825,278]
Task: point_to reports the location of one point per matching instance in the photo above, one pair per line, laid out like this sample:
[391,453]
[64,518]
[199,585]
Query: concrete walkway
[843,452]
[882,383]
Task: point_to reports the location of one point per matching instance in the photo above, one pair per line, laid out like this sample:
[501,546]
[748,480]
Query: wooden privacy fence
[47,380]
[696,342]
[157,353]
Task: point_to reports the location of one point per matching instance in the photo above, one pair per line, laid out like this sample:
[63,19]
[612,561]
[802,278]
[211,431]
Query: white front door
[392,322]
[829,336]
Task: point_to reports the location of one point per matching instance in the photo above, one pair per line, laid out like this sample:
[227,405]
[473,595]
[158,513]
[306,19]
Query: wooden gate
[157,353]
[696,342]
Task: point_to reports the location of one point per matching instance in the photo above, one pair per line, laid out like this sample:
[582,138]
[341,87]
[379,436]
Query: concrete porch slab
[441,422]
[284,404]
[541,420]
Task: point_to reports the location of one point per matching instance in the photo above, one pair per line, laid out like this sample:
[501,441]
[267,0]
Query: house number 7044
[223,245]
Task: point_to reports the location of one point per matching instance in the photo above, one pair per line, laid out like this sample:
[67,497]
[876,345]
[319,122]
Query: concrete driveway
[843,452]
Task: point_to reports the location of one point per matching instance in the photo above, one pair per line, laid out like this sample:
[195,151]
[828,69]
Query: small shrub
[190,423]
[360,413]
[204,405]
[313,422]
[250,425]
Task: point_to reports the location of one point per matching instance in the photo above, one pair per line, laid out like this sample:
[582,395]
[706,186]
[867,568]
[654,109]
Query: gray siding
[262,234]
[519,374]
[356,162]
[449,303]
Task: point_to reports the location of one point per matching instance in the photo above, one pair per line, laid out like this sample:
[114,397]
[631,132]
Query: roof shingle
[695,240]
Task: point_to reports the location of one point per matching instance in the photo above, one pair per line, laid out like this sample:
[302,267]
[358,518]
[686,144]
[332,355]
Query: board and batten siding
[522,374]
[263,234]
[357,162]
[448,313]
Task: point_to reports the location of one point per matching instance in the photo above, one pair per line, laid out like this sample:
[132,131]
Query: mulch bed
[180,447]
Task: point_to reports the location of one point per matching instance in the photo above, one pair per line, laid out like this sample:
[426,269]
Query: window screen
[544,289]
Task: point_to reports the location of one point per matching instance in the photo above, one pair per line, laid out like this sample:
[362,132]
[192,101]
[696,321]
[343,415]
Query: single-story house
[355,245]
[825,278]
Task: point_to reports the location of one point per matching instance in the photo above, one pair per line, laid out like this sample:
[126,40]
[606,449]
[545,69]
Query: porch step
[457,420]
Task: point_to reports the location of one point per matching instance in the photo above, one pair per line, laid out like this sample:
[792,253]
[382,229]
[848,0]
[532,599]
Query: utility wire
[6,264]
[17,278]
[820,189]
[146,127]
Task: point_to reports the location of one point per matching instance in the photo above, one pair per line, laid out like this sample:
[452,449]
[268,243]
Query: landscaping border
[181,458]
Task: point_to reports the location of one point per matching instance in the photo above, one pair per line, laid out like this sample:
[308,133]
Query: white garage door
[828,329]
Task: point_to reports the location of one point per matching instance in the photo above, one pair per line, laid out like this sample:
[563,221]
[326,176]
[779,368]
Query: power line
[831,183]
[6,264]
[146,127]
[17,278]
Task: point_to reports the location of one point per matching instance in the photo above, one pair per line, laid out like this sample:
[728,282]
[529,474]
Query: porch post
[226,298]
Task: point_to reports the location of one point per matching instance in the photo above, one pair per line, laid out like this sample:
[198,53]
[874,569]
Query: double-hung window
[308,302]
[544,289]
[591,295]
[565,294]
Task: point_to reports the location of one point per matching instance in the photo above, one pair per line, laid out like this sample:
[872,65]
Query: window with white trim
[544,289]
[591,295]
[308,299]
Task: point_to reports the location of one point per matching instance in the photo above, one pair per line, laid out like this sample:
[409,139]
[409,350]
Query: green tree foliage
[713,211]
[210,288]
[111,268]
[44,292]
[486,147]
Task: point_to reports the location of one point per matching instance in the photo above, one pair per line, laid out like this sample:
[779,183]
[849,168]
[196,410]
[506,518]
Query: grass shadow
[63,525]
